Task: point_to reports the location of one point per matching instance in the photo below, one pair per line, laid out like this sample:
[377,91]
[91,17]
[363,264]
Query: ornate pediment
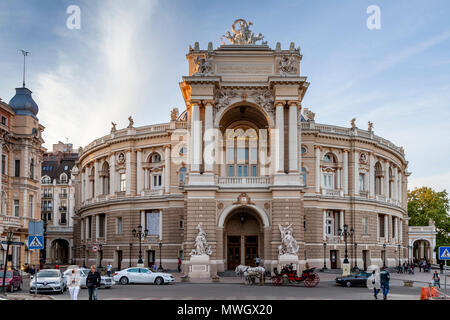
[244,200]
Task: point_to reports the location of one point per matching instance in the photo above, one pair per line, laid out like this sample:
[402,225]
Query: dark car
[13,280]
[356,279]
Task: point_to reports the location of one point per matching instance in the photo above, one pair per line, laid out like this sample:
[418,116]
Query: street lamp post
[141,235]
[9,235]
[384,255]
[100,246]
[160,268]
[324,256]
[131,246]
[345,233]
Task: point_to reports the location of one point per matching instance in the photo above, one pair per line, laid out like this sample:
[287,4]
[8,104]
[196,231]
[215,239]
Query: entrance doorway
[365,258]
[251,250]
[333,259]
[234,252]
[119,260]
[150,258]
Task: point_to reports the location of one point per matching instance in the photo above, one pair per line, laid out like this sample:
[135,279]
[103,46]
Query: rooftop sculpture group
[243,35]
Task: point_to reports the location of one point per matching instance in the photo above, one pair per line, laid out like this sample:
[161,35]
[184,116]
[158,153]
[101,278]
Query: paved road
[326,290]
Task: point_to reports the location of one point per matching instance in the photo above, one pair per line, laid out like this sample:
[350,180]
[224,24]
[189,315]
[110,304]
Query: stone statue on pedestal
[201,245]
[288,245]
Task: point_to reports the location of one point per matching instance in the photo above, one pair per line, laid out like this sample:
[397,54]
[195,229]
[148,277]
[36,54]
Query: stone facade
[271,165]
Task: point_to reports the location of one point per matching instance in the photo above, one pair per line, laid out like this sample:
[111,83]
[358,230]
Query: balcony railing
[153,192]
[47,195]
[63,209]
[333,192]
[244,181]
[10,221]
[46,209]
[63,195]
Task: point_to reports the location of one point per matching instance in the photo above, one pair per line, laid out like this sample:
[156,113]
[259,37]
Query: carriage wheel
[312,280]
[277,281]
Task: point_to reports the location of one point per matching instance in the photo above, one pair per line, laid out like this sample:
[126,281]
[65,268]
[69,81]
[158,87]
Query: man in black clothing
[93,282]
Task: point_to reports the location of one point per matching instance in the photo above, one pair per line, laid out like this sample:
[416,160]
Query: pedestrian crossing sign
[444,253]
[35,242]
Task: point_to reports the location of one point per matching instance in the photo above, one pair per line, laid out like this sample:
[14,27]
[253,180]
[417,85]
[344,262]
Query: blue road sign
[36,228]
[35,242]
[444,253]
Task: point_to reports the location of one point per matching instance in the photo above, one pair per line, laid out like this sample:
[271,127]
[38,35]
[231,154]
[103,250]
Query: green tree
[424,204]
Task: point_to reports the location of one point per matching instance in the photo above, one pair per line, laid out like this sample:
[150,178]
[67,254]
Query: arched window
[46,180]
[304,176]
[378,178]
[63,178]
[183,172]
[329,171]
[242,152]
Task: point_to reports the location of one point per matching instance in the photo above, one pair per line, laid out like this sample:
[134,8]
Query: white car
[48,280]
[105,282]
[142,275]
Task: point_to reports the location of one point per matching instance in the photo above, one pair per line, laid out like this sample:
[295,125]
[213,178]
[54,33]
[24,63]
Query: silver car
[48,280]
[105,281]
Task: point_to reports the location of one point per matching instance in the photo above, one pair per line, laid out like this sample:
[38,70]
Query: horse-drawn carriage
[250,274]
[308,277]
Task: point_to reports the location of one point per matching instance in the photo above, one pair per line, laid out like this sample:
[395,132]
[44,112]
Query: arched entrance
[243,237]
[60,251]
[422,250]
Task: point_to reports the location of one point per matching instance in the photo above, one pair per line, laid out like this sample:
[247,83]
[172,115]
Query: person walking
[436,279]
[93,282]
[74,283]
[420,266]
[108,269]
[257,261]
[385,277]
[179,264]
[373,282]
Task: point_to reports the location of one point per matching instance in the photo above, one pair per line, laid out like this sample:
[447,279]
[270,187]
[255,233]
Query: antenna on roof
[25,53]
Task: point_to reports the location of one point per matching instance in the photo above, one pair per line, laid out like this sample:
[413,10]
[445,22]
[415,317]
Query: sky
[128,58]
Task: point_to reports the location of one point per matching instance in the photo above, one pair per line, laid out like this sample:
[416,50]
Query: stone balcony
[10,222]
[153,192]
[245,182]
[333,192]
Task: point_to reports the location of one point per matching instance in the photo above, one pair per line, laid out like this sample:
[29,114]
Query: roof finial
[25,53]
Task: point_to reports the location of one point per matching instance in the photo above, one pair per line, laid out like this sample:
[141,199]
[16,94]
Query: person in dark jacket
[93,282]
[385,277]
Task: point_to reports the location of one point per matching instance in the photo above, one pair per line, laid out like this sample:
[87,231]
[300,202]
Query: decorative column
[400,191]
[83,196]
[324,225]
[341,221]
[338,178]
[82,229]
[112,175]
[395,185]
[208,138]
[386,179]
[167,168]
[345,172]
[97,226]
[371,177]
[356,172]
[386,228]
[317,170]
[128,172]
[1,169]
[196,129]
[139,172]
[86,183]
[279,147]
[96,179]
[293,136]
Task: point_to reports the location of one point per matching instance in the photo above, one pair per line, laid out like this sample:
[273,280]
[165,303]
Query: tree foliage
[424,204]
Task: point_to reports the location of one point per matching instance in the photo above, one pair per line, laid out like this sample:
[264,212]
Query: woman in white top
[73,282]
[373,282]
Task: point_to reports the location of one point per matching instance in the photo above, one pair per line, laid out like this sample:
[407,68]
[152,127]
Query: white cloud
[98,78]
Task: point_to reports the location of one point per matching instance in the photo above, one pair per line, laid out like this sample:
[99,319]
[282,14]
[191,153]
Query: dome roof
[23,104]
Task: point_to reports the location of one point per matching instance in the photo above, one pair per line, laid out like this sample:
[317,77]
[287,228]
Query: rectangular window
[119,225]
[31,205]
[239,173]
[393,227]
[381,224]
[152,222]
[365,226]
[362,182]
[16,208]
[4,122]
[328,181]
[123,182]
[157,181]
[3,164]
[242,154]
[17,168]
[231,171]
[101,225]
[245,171]
[181,225]
[254,171]
[254,155]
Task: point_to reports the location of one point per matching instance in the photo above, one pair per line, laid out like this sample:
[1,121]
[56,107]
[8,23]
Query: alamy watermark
[374,20]
[74,19]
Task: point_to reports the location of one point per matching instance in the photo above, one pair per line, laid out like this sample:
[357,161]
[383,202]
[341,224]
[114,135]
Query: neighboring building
[422,242]
[21,156]
[57,203]
[316,177]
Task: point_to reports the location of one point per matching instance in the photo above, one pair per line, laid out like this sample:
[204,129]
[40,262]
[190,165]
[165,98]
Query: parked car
[48,280]
[105,282]
[356,279]
[13,280]
[142,275]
